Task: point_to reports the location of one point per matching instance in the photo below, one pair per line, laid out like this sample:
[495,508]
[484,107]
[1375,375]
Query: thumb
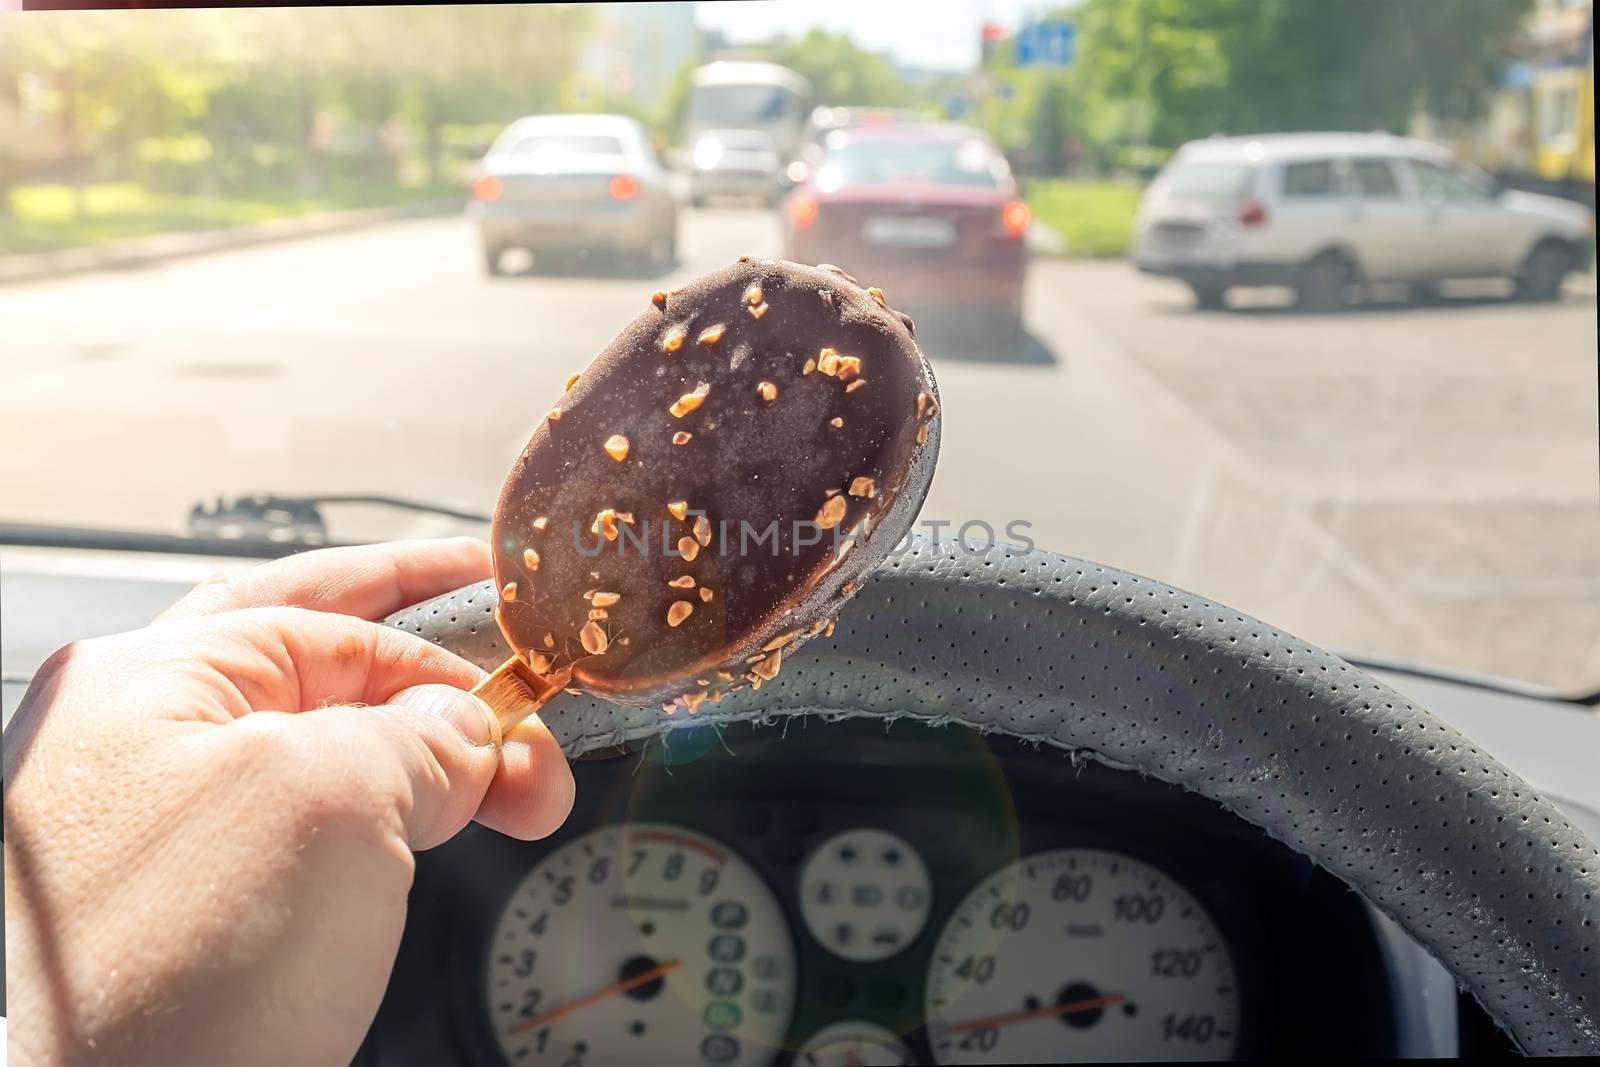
[448,746]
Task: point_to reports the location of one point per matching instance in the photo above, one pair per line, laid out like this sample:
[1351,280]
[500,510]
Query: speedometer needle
[1071,1007]
[623,986]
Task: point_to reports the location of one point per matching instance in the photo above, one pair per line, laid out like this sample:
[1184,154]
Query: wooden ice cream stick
[514,691]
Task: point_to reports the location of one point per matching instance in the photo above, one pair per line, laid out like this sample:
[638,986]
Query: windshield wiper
[296,519]
[260,526]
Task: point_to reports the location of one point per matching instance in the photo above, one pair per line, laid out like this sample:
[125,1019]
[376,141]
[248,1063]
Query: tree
[1189,68]
[841,72]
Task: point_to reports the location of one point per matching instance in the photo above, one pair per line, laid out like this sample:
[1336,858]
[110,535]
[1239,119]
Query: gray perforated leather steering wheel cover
[1464,855]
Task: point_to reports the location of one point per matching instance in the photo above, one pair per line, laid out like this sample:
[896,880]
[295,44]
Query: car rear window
[1208,181]
[1310,177]
[881,161]
[586,144]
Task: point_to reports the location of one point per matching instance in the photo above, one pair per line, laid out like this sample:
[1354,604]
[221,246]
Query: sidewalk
[140,251]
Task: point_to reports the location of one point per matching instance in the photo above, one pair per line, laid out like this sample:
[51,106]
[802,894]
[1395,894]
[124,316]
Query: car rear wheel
[1322,283]
[1210,295]
[1544,273]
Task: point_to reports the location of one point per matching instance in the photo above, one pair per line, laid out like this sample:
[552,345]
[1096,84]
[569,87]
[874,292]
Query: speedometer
[1080,954]
[641,944]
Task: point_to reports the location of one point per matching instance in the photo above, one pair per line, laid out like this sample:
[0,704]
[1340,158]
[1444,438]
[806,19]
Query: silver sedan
[582,185]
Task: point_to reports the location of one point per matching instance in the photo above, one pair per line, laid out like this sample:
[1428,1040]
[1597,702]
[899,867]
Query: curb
[140,251]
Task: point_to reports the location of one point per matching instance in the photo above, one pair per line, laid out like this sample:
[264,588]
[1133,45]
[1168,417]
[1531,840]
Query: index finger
[368,581]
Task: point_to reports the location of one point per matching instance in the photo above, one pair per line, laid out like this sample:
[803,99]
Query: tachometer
[1080,954]
[641,944]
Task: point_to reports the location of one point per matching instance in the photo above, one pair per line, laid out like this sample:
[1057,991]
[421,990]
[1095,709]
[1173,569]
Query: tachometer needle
[623,986]
[1071,1007]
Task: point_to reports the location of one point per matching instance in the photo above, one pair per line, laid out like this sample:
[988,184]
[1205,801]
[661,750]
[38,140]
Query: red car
[927,212]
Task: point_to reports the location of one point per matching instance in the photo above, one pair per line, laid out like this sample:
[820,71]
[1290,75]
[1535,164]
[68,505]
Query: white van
[1324,212]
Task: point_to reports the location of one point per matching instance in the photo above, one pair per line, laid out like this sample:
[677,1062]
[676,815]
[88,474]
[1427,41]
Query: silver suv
[1325,212]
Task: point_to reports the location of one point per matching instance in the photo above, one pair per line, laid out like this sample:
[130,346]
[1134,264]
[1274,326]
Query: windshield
[877,161]
[739,103]
[258,251]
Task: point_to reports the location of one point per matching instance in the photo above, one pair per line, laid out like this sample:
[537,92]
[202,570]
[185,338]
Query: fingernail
[458,707]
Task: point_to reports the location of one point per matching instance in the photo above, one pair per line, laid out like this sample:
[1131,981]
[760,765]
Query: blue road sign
[1051,43]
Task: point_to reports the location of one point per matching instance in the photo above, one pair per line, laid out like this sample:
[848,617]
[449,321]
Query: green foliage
[841,72]
[1095,218]
[1171,70]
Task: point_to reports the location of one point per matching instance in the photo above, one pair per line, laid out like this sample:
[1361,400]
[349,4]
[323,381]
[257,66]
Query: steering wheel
[1468,859]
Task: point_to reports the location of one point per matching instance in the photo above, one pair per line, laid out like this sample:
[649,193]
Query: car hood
[1572,218]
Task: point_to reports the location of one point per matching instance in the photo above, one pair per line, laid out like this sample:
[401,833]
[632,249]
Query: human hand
[209,823]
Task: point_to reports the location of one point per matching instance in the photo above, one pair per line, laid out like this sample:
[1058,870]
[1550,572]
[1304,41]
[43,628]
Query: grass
[43,218]
[1095,218]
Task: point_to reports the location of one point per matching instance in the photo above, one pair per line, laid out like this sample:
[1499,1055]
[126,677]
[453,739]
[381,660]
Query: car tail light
[1016,217]
[1252,212]
[624,187]
[488,187]
[802,211]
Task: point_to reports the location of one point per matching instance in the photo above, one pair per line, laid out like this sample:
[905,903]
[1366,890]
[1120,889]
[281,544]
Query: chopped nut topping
[572,380]
[702,530]
[683,581]
[593,638]
[605,522]
[810,365]
[539,662]
[767,391]
[922,434]
[554,414]
[680,610]
[705,593]
[679,508]
[509,591]
[689,401]
[711,334]
[849,587]
[835,491]
[599,613]
[768,668]
[857,384]
[863,487]
[540,523]
[726,676]
[779,641]
[688,548]
[754,679]
[692,701]
[605,600]
[530,559]
[836,422]
[758,310]
[827,631]
[549,640]
[681,438]
[625,516]
[922,403]
[827,361]
[876,294]
[752,295]
[830,268]
[744,257]
[847,367]
[659,298]
[831,513]
[702,681]
[617,447]
[672,340]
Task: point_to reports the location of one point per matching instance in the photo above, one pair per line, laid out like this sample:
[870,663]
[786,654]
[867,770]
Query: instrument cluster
[851,896]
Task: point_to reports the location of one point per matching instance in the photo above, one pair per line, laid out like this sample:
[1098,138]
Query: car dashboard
[818,891]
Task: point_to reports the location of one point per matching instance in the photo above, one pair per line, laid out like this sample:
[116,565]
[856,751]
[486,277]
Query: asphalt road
[1419,482]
